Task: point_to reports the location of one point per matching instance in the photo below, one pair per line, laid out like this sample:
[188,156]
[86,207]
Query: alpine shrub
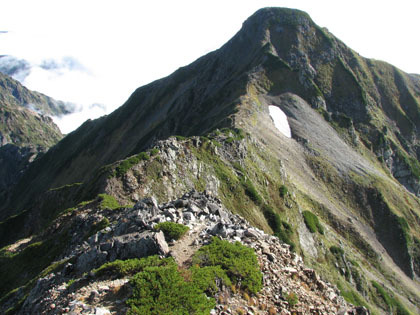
[238,261]
[171,230]
[162,290]
[312,222]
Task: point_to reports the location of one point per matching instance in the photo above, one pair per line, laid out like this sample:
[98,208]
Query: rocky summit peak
[278,16]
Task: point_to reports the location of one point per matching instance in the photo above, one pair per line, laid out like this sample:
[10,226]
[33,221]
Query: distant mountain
[343,191]
[14,67]
[14,93]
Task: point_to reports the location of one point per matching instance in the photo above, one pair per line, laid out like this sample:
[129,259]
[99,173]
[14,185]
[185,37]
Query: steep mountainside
[24,133]
[342,192]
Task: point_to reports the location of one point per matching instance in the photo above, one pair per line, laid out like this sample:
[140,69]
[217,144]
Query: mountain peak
[281,16]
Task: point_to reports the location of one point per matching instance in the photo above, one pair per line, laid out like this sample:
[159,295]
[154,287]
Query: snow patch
[280,120]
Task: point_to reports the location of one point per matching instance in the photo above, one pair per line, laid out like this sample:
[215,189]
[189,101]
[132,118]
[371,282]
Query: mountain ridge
[352,160]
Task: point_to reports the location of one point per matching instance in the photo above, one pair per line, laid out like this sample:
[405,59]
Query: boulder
[189,217]
[135,245]
[161,243]
[90,260]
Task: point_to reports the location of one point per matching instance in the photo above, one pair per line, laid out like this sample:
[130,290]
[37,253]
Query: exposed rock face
[132,236]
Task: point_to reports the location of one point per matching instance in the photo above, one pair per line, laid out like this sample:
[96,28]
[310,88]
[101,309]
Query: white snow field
[280,120]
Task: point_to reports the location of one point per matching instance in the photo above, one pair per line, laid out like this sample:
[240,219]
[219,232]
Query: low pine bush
[238,261]
[162,290]
[281,229]
[312,222]
[171,230]
[209,279]
[283,191]
[122,268]
[338,251]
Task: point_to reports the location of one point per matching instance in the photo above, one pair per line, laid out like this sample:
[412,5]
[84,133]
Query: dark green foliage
[235,134]
[162,290]
[96,227]
[154,151]
[337,250]
[273,219]
[171,230]
[292,299]
[283,191]
[238,261]
[411,162]
[251,192]
[312,222]
[393,303]
[206,278]
[180,138]
[122,268]
[354,298]
[125,165]
[16,269]
[229,140]
[281,229]
[108,202]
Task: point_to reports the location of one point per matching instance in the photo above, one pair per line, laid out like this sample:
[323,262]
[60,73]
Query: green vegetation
[163,290]
[160,288]
[205,278]
[96,227]
[180,138]
[70,282]
[66,186]
[251,192]
[238,261]
[233,134]
[337,251]
[283,191]
[17,268]
[154,151]
[292,299]
[171,230]
[395,306]
[281,229]
[123,268]
[125,165]
[108,202]
[411,162]
[22,127]
[354,298]
[312,222]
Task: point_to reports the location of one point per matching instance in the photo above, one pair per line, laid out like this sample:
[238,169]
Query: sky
[96,53]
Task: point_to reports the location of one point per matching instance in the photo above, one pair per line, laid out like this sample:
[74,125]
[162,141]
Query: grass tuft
[312,222]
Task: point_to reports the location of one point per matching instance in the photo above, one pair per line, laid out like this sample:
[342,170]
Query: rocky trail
[288,286]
